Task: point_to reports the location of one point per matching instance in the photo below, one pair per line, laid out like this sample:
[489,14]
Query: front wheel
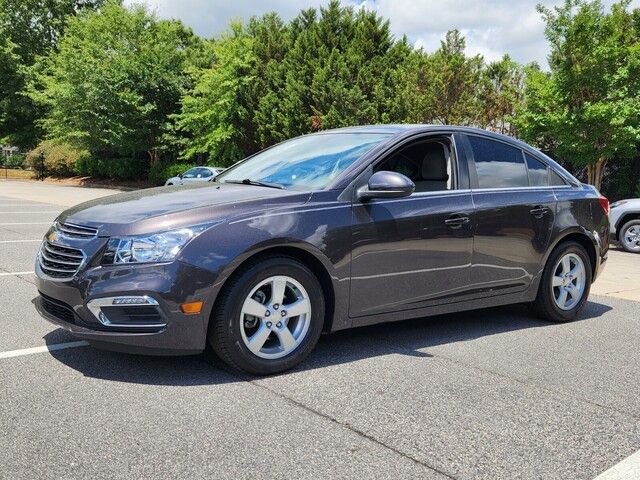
[565,283]
[630,236]
[269,317]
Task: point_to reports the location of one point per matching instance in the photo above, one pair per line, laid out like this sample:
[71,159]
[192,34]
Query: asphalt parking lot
[490,394]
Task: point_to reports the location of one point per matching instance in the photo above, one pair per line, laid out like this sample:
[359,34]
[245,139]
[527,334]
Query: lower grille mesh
[57,309]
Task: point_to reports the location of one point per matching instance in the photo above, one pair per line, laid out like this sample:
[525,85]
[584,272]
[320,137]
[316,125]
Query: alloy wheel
[275,317]
[631,238]
[568,281]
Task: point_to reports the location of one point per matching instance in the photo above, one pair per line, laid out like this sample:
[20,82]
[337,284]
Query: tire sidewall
[624,228]
[555,313]
[239,352]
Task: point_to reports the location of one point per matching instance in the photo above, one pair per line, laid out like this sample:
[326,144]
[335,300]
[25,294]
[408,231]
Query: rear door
[514,215]
[414,252]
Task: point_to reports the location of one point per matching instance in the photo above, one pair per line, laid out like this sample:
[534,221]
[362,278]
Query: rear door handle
[539,211]
[456,221]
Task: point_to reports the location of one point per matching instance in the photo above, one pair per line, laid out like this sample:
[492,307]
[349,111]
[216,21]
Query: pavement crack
[348,426]
[531,384]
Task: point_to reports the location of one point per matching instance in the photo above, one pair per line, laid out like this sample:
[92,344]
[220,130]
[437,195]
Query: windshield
[309,162]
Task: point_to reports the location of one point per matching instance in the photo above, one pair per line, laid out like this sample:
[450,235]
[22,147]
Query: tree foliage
[586,110]
[117,77]
[29,30]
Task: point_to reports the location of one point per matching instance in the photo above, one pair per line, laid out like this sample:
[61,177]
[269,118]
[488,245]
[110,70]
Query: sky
[491,28]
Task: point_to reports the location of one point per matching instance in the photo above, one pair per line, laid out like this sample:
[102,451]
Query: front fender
[321,231]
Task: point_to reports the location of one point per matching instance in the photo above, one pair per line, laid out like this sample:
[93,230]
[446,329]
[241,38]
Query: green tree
[117,77]
[270,81]
[29,29]
[587,108]
[501,95]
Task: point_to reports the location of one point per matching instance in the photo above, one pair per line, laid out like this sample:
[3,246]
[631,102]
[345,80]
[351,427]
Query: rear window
[498,165]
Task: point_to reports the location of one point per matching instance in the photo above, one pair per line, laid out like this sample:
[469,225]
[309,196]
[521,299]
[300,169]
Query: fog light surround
[98,306]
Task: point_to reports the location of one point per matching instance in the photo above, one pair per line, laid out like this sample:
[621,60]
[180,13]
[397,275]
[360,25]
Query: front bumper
[69,305]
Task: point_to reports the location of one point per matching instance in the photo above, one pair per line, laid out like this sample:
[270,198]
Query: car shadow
[409,337]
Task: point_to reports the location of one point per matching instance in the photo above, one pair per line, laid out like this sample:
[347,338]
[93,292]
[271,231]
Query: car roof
[402,128]
[399,129]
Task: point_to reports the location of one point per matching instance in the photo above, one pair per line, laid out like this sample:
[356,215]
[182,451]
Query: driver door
[414,252]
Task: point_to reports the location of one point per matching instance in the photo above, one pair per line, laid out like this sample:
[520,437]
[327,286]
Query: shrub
[113,168]
[60,158]
[161,171]
[15,160]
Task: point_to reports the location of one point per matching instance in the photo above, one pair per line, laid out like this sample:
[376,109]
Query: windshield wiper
[248,181]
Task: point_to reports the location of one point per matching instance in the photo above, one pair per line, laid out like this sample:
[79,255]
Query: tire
[630,236]
[549,298]
[232,330]
[168,184]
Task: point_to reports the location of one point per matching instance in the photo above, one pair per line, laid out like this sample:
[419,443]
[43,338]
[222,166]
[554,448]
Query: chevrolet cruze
[320,233]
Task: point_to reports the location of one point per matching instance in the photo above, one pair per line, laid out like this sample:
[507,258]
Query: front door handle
[456,221]
[539,211]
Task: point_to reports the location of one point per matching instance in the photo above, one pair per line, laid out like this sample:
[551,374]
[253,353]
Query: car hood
[167,208]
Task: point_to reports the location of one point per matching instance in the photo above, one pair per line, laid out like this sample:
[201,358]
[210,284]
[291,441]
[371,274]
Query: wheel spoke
[286,339]
[562,299]
[566,264]
[256,342]
[557,281]
[299,307]
[277,290]
[573,291]
[253,307]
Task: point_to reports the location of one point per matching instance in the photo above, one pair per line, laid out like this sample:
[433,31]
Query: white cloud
[492,28]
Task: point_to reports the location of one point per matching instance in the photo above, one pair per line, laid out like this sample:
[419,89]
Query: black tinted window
[555,179]
[498,165]
[537,172]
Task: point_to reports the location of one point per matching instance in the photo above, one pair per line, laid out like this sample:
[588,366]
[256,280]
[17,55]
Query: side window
[427,163]
[191,173]
[205,172]
[555,179]
[498,165]
[538,176]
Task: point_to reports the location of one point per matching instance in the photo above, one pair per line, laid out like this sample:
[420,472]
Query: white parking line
[34,211]
[19,241]
[625,470]
[6,274]
[26,223]
[25,204]
[46,348]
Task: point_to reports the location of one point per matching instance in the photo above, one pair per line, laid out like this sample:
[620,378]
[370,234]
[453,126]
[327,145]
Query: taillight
[604,203]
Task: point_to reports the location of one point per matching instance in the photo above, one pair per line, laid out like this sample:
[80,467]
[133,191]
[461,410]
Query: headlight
[158,247]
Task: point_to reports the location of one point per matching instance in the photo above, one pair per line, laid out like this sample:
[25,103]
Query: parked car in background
[195,174]
[338,229]
[625,223]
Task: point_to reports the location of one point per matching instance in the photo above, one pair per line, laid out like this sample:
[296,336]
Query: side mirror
[385,184]
[180,176]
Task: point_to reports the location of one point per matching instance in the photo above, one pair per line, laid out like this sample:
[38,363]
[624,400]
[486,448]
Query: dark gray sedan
[320,233]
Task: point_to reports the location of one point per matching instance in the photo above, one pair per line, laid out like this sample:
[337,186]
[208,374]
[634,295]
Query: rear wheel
[565,283]
[269,317]
[630,236]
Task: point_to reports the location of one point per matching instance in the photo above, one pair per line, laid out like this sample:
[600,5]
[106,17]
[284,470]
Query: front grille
[71,230]
[57,309]
[60,262]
